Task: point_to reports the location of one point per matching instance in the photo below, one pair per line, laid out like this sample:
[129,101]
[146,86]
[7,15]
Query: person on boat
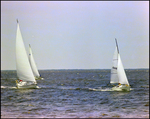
[19,80]
[119,83]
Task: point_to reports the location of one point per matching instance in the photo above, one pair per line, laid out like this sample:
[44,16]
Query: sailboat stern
[122,87]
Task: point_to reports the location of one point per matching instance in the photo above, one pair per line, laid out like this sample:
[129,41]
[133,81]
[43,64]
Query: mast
[117,45]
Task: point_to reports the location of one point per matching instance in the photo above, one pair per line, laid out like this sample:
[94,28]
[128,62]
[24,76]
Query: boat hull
[121,88]
[26,85]
[39,78]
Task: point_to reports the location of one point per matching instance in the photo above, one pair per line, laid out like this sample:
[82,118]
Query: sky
[76,34]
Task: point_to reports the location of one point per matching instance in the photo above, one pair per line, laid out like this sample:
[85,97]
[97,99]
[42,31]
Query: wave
[131,89]
[66,88]
[106,89]
[14,87]
[87,88]
[10,87]
[38,87]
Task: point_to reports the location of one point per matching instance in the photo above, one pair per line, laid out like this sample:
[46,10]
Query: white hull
[121,88]
[26,85]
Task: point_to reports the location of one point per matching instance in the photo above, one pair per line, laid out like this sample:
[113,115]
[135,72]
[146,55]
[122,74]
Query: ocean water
[76,94]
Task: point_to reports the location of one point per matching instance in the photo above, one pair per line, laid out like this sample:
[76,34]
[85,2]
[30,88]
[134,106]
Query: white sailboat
[33,65]
[24,72]
[118,74]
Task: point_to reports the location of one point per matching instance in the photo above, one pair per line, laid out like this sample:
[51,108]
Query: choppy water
[76,94]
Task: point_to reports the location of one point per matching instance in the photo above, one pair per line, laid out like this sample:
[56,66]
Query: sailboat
[33,65]
[24,72]
[118,74]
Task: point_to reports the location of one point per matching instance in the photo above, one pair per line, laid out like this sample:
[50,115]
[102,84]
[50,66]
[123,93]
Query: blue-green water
[76,94]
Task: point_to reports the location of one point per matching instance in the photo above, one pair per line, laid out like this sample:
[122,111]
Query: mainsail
[32,63]
[24,71]
[114,75]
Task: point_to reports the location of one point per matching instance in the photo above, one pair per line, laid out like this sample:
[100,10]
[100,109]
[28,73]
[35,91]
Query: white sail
[24,71]
[114,75]
[121,73]
[32,63]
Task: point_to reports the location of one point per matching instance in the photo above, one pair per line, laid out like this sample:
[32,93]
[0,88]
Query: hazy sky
[76,34]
